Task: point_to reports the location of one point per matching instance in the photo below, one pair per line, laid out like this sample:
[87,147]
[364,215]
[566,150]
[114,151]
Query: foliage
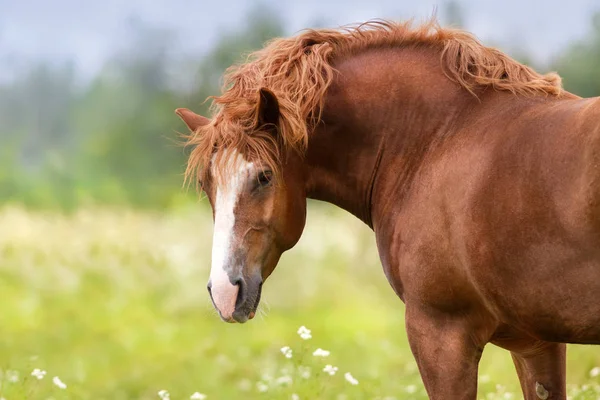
[580,64]
[113,139]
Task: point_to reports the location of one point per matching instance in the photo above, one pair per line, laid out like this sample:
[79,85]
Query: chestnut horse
[479,176]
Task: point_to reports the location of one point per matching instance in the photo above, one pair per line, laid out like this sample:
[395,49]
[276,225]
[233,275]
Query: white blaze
[224,293]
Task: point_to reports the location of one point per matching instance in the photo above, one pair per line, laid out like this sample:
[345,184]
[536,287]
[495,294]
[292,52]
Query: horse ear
[191,119]
[268,108]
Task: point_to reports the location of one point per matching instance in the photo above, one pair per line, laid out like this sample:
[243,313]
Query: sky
[87,32]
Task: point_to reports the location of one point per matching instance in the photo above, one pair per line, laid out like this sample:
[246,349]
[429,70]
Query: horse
[479,176]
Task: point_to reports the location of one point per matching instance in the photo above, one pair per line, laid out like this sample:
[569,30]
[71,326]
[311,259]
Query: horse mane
[298,70]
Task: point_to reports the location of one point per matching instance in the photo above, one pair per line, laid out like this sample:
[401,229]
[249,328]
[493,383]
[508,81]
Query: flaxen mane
[299,71]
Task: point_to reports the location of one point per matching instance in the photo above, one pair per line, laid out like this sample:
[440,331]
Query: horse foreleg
[447,352]
[542,371]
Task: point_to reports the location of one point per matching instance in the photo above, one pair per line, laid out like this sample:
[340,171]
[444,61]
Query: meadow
[113,303]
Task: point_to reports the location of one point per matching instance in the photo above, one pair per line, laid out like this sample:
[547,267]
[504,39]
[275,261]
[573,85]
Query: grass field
[114,304]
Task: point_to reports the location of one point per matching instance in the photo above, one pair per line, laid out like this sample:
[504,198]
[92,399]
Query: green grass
[114,303]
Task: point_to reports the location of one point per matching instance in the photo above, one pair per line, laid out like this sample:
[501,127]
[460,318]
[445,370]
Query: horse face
[256,219]
[257,216]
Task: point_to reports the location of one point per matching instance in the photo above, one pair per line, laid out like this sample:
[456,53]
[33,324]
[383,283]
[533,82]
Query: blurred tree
[35,131]
[112,140]
[123,119]
[34,110]
[579,65]
[261,25]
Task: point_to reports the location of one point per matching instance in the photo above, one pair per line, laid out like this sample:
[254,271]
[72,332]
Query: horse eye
[265,177]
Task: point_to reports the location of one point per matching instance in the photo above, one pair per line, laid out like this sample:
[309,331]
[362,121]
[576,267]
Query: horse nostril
[236,281]
[242,291]
[209,286]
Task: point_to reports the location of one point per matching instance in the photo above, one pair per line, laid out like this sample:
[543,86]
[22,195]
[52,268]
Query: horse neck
[381,114]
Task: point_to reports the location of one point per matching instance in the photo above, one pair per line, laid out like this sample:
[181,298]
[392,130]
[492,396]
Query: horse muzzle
[236,300]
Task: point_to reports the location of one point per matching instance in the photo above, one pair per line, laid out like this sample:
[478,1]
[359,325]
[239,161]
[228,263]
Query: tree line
[112,140]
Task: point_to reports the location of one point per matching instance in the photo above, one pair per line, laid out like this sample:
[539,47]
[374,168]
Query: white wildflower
[321,353]
[262,387]
[304,333]
[295,396]
[198,396]
[484,379]
[56,380]
[244,385]
[266,376]
[350,378]
[284,380]
[508,395]
[12,376]
[286,351]
[595,372]
[164,395]
[38,373]
[331,370]
[304,372]
[411,389]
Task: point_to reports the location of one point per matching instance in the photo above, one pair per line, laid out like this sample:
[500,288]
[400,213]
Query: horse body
[500,206]
[485,205]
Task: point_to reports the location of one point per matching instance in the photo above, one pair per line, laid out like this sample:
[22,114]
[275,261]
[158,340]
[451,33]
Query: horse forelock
[299,70]
[212,158]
